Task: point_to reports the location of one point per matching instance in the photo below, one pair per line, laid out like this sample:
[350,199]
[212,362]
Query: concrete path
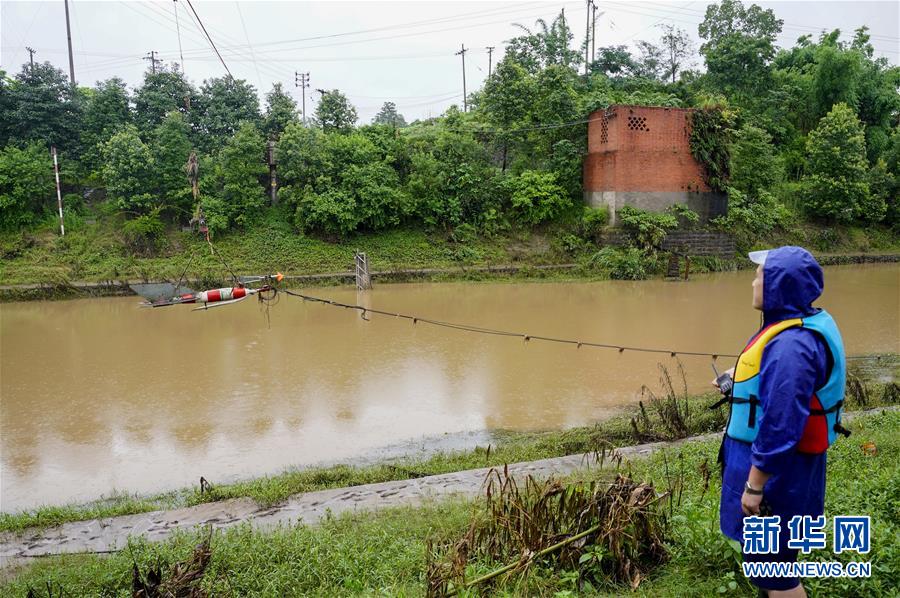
[106,535]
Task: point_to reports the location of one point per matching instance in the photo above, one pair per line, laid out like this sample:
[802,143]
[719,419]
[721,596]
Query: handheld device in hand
[724,381]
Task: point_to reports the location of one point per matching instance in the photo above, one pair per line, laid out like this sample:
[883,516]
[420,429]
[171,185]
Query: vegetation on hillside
[801,134]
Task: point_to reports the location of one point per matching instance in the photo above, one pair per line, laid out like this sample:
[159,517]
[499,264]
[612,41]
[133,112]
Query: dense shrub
[26,184]
[536,197]
[592,222]
[628,263]
[646,229]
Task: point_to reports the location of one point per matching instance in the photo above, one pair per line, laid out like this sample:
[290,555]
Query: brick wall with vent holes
[641,148]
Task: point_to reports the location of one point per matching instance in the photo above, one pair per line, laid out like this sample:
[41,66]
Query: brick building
[640,156]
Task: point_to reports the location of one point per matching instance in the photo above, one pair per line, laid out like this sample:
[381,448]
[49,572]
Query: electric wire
[237,4]
[211,42]
[178,30]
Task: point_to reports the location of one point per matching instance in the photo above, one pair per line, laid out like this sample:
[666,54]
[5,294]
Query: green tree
[885,189]
[106,111]
[835,77]
[615,62]
[335,112]
[879,102]
[45,107]
[301,159]
[238,193]
[754,166]
[739,46]
[650,64]
[281,110]
[837,187]
[892,164]
[223,104]
[342,183]
[388,115]
[159,94]
[7,109]
[128,168]
[556,102]
[506,102]
[26,184]
[677,49]
[451,179]
[545,46]
[171,148]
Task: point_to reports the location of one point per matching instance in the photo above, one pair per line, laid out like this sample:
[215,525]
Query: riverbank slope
[95,259]
[383,553]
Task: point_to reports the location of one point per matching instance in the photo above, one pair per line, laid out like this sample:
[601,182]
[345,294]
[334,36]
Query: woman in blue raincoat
[785,407]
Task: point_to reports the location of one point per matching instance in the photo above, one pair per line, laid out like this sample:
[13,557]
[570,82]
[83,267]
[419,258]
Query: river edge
[310,508]
[567,272]
[408,523]
[631,425]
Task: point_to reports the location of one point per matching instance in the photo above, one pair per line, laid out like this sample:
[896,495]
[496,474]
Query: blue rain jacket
[794,364]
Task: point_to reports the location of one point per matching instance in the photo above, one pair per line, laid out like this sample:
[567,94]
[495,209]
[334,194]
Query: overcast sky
[372,51]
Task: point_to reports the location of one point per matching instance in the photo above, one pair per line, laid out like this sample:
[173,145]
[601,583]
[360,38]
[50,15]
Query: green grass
[383,553]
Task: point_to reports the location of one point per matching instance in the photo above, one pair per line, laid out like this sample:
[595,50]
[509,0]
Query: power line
[426,22]
[178,30]
[416,33]
[211,42]
[247,37]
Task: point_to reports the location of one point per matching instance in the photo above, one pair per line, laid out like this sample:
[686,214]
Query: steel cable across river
[146,400]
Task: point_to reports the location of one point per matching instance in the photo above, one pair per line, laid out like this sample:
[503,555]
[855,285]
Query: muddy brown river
[99,396]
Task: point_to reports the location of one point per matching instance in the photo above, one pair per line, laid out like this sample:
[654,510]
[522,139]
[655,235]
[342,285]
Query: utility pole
[151,56]
[490,50]
[587,36]
[69,37]
[62,226]
[273,184]
[593,33]
[302,80]
[462,53]
[31,52]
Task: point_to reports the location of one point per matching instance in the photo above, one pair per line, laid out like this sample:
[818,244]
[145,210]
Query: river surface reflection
[99,396]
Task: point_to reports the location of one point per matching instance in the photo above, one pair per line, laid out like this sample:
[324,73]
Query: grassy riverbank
[96,250]
[383,553]
[672,415]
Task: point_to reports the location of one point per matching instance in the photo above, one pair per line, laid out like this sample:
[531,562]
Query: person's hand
[730,372]
[750,503]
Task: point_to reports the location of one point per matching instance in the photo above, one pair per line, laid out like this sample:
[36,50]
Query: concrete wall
[708,205]
[641,156]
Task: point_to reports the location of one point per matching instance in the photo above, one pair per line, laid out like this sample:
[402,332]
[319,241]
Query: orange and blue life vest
[826,404]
